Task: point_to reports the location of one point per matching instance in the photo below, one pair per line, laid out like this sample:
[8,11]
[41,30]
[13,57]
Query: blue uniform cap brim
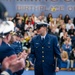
[41,25]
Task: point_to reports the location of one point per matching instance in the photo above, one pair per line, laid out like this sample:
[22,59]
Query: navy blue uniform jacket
[44,52]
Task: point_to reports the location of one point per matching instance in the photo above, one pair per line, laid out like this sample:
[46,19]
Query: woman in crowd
[66,18]
[49,17]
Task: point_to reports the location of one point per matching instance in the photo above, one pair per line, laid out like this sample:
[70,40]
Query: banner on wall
[55,7]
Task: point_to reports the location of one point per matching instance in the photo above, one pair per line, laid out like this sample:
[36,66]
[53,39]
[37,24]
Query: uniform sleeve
[57,50]
[32,54]
[6,72]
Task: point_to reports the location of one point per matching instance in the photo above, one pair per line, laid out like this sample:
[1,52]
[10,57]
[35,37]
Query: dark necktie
[42,39]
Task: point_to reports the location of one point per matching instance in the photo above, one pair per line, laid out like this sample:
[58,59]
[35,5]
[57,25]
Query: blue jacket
[64,47]
[5,50]
[44,53]
[17,46]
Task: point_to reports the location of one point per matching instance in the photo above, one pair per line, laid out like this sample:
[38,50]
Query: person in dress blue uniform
[44,49]
[16,44]
[5,49]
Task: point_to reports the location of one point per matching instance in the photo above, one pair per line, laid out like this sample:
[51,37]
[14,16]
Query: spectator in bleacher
[27,40]
[30,20]
[69,40]
[62,33]
[62,26]
[34,33]
[42,17]
[20,25]
[74,21]
[60,17]
[65,58]
[52,23]
[57,22]
[66,18]
[49,17]
[9,18]
[71,31]
[34,18]
[69,24]
[16,18]
[28,26]
[54,32]
[30,32]
[72,58]
[25,18]
[67,47]
[63,38]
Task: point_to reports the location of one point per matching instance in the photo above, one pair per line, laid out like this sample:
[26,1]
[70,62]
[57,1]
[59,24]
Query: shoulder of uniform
[52,36]
[35,37]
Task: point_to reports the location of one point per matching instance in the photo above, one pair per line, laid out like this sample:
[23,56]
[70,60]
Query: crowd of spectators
[62,27]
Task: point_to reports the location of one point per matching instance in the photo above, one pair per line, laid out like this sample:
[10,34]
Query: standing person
[5,49]
[44,48]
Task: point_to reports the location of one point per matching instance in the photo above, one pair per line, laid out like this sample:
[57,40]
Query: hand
[57,69]
[63,59]
[6,62]
[17,65]
[13,63]
[31,63]
[23,55]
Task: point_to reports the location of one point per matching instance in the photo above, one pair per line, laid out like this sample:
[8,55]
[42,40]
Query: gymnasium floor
[58,73]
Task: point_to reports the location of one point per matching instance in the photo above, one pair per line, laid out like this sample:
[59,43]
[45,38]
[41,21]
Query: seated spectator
[72,58]
[63,38]
[34,18]
[69,40]
[66,18]
[58,22]
[30,20]
[65,58]
[42,17]
[25,18]
[74,21]
[62,26]
[16,18]
[69,24]
[52,23]
[54,32]
[49,18]
[20,25]
[71,31]
[28,26]
[62,33]
[60,17]
[67,47]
